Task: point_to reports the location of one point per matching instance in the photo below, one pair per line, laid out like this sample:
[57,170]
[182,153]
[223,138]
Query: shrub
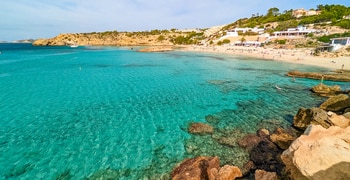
[226,41]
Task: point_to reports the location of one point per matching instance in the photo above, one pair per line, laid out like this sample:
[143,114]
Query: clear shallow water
[82,112]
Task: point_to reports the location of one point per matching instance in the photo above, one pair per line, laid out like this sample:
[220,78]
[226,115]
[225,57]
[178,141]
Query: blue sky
[24,19]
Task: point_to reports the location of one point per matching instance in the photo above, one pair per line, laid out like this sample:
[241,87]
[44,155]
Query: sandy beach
[299,56]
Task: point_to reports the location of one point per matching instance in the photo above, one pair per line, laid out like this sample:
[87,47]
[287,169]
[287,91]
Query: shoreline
[297,56]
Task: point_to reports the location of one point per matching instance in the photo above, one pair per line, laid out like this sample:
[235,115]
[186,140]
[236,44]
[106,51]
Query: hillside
[154,37]
[327,19]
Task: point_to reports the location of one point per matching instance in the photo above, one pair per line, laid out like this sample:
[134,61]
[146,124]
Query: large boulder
[229,172]
[319,154]
[324,90]
[197,168]
[336,103]
[315,116]
[200,128]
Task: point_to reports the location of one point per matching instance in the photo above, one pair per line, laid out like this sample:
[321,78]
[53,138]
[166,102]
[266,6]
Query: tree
[272,12]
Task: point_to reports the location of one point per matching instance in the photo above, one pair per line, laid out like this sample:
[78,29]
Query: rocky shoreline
[317,146]
[338,75]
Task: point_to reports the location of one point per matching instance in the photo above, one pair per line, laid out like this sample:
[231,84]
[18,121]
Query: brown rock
[336,103]
[229,173]
[324,90]
[264,175]
[315,75]
[282,138]
[248,167]
[200,128]
[263,133]
[249,141]
[197,169]
[319,154]
[266,156]
[305,117]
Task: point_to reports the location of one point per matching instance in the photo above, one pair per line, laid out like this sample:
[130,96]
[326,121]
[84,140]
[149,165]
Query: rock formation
[200,168]
[307,116]
[345,77]
[200,128]
[263,175]
[338,120]
[324,90]
[282,138]
[319,154]
[336,103]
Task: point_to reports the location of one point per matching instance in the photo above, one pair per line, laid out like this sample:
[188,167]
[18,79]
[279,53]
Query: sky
[33,19]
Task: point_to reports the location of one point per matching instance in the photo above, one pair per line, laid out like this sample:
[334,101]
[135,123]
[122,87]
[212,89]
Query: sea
[114,113]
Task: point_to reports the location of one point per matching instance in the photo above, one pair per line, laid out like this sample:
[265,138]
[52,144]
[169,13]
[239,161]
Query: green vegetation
[282,41]
[326,39]
[161,38]
[225,41]
[329,13]
[189,38]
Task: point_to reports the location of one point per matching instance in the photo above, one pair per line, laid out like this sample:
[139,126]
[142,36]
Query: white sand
[300,56]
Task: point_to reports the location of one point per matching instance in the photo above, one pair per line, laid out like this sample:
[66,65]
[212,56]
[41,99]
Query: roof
[340,38]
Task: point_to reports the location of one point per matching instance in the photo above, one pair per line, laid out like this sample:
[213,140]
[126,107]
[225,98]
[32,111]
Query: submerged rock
[212,119]
[249,141]
[200,128]
[337,103]
[319,154]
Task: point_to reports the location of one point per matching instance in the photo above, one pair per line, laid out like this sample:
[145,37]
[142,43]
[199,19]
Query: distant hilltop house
[346,17]
[297,13]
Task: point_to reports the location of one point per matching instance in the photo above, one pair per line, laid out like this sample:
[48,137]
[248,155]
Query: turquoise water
[73,113]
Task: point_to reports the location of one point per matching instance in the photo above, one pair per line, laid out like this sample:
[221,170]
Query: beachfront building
[339,43]
[293,32]
[235,32]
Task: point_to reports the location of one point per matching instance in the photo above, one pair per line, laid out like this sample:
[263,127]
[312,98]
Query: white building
[234,32]
[293,32]
[338,43]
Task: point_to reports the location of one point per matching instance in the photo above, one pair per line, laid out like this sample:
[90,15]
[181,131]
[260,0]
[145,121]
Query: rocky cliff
[110,38]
